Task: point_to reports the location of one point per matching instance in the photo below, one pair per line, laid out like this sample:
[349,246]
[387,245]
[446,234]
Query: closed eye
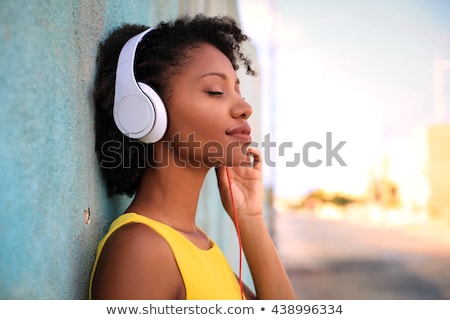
[214,93]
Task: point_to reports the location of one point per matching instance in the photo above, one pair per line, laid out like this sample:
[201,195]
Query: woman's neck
[170,195]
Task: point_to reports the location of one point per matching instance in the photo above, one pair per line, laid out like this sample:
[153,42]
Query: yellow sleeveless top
[206,274]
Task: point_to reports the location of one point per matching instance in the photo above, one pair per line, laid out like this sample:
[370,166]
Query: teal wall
[49,176]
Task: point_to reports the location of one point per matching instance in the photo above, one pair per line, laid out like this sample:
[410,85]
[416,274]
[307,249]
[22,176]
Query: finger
[256,155]
[249,157]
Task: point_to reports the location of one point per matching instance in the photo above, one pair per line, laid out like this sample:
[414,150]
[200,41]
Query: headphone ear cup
[156,111]
[134,115]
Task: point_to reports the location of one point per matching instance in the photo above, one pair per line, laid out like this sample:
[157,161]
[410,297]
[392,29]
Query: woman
[155,250]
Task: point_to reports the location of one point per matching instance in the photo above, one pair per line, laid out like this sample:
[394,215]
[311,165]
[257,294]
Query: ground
[330,259]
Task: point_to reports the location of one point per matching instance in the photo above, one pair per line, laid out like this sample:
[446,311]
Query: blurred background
[375,76]
[351,113]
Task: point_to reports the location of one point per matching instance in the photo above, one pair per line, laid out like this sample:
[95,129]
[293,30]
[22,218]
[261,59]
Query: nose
[241,109]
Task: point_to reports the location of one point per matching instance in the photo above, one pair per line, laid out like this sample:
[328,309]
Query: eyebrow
[218,74]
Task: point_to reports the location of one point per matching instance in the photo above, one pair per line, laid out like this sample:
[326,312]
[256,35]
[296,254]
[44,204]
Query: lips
[241,132]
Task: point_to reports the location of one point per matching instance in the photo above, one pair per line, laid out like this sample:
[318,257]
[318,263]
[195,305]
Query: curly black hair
[160,56]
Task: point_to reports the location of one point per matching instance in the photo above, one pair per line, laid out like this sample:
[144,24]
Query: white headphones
[139,112]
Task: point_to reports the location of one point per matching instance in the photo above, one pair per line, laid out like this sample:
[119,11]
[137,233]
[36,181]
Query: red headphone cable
[238,233]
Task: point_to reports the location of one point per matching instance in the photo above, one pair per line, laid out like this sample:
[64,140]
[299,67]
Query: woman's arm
[136,263]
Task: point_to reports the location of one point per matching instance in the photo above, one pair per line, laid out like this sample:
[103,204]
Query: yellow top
[206,274]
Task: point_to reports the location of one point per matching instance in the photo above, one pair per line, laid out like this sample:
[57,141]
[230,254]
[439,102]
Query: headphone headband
[126,83]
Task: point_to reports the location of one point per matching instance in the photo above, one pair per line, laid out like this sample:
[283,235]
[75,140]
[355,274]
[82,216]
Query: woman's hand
[268,273]
[246,186]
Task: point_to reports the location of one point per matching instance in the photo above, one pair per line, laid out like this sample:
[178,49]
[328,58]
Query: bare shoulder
[137,263]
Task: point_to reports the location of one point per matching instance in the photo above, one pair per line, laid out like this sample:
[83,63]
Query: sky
[364,71]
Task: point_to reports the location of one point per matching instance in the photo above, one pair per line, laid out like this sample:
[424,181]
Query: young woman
[155,250]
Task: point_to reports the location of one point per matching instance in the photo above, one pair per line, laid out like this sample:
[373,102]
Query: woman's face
[207,115]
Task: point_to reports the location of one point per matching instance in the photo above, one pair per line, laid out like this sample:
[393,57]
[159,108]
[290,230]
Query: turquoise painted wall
[54,207]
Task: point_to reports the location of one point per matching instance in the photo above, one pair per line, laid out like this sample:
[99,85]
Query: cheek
[200,122]
[202,126]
